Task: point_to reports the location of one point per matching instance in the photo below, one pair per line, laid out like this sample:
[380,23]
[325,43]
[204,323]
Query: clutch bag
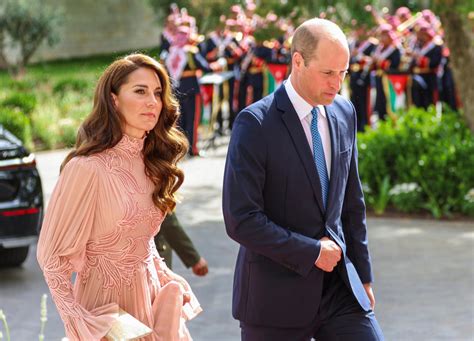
[127,327]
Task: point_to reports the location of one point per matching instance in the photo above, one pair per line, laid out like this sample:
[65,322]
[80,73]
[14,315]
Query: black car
[21,200]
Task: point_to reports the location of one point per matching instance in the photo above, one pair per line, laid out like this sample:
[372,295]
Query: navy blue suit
[272,206]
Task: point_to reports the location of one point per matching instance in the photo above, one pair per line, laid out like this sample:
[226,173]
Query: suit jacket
[272,206]
[171,237]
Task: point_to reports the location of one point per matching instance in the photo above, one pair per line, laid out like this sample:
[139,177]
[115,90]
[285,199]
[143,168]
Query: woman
[114,190]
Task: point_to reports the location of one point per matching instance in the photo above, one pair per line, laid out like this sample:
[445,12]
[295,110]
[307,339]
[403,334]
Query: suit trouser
[340,318]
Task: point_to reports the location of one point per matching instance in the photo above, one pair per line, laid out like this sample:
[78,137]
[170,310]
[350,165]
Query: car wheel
[14,256]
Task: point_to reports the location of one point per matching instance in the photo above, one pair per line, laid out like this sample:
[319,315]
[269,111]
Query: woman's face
[139,102]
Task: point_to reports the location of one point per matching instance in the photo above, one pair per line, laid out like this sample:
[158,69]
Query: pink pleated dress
[100,224]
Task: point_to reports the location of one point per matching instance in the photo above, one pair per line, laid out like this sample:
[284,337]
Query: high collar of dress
[131,145]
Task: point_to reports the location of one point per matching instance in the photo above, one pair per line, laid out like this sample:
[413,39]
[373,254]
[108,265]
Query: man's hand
[200,268]
[370,293]
[329,256]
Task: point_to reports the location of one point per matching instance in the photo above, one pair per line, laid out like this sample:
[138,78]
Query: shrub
[20,85]
[468,204]
[434,152]
[23,101]
[68,132]
[66,85]
[17,123]
[45,125]
[406,197]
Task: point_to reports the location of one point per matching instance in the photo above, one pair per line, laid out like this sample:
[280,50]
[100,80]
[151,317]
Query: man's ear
[298,60]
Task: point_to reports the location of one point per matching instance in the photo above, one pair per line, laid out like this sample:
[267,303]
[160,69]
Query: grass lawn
[46,106]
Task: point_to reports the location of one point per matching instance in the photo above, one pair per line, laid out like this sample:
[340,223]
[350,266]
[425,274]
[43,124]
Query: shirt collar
[302,107]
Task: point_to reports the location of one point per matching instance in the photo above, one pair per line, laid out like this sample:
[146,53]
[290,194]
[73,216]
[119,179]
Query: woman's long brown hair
[164,146]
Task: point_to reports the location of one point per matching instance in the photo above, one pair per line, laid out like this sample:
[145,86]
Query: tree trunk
[459,41]
[3,59]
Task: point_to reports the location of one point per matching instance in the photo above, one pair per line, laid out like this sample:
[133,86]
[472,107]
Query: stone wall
[91,27]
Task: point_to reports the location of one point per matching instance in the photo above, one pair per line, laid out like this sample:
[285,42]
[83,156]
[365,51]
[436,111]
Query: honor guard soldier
[426,59]
[360,66]
[223,45]
[386,58]
[252,72]
[183,62]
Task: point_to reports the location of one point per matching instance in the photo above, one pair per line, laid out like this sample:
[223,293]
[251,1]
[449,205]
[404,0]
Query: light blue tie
[319,158]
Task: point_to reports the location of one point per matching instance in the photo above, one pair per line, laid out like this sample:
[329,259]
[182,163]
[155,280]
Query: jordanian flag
[395,86]
[276,74]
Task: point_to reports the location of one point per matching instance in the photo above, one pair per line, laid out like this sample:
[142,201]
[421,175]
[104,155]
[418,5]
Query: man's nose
[336,82]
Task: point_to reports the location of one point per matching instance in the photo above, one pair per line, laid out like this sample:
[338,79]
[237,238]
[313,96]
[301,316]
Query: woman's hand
[186,298]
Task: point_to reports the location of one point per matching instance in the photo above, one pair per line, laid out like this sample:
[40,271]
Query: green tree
[459,32]
[24,26]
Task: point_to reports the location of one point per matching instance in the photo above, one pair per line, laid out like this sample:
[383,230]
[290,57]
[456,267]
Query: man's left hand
[370,293]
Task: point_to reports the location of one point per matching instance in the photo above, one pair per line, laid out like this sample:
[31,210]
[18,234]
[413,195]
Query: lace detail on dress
[120,160]
[130,145]
[57,273]
[135,215]
[116,259]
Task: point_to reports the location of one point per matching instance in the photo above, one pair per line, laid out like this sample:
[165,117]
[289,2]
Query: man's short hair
[305,42]
[307,36]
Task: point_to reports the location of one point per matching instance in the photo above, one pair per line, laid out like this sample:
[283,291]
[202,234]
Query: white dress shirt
[303,109]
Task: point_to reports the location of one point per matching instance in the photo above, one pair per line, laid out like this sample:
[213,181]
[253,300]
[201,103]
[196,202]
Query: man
[183,62]
[426,60]
[303,269]
[386,59]
[360,67]
[223,45]
[252,85]
[171,237]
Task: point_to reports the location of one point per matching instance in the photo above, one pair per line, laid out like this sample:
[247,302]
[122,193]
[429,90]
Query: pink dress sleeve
[190,309]
[61,249]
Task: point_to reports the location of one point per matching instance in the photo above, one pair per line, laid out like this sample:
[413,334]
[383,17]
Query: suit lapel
[293,124]
[334,133]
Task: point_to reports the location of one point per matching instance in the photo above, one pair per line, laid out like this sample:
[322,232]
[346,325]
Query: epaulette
[200,38]
[238,36]
[191,48]
[373,40]
[269,44]
[438,40]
